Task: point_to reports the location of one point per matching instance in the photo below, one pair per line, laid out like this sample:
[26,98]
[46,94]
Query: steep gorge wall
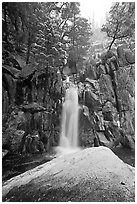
[111,96]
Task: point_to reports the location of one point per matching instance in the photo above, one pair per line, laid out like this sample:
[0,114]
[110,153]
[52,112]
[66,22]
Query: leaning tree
[120,23]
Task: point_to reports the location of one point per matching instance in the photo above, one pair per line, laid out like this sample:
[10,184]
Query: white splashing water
[69,126]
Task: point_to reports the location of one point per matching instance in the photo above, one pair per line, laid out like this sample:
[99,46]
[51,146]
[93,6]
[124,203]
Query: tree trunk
[28,48]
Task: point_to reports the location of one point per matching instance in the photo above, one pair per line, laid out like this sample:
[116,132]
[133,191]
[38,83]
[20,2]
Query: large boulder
[90,175]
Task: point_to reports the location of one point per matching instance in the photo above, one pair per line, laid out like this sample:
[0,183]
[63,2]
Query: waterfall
[69,124]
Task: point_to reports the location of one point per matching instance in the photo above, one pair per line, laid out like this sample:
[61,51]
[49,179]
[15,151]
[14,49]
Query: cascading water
[69,125]
[69,129]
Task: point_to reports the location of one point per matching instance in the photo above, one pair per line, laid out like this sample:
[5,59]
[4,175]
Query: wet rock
[90,175]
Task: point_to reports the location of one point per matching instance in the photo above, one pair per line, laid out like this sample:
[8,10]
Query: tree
[120,23]
[37,38]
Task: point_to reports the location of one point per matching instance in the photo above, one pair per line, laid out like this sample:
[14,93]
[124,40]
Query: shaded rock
[16,120]
[129,142]
[130,56]
[14,139]
[92,175]
[126,56]
[106,89]
[102,69]
[99,121]
[92,101]
[132,72]
[33,144]
[108,116]
[33,107]
[96,142]
[126,102]
[86,134]
[27,70]
[109,107]
[128,122]
[102,139]
[125,88]
[121,56]
[113,130]
[93,83]
[9,85]
[109,111]
[107,55]
[15,129]
[91,72]
[9,70]
[92,94]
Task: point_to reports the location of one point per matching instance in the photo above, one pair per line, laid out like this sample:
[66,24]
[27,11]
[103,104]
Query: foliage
[42,37]
[44,31]
[120,23]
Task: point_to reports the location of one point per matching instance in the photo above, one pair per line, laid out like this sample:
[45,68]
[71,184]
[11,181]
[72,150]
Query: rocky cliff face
[109,94]
[113,97]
